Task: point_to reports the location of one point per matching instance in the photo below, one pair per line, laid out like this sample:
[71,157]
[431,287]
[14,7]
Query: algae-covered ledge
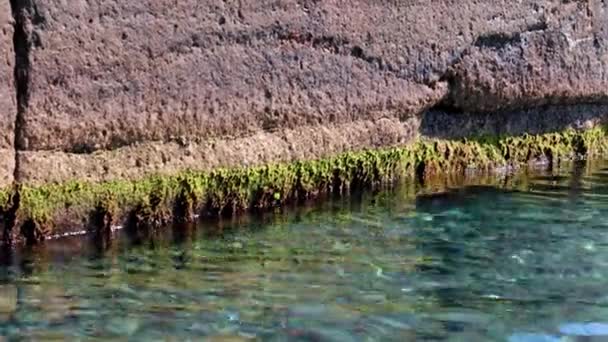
[55,209]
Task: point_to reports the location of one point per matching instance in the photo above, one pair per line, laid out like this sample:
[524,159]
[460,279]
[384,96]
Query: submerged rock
[533,337]
[584,329]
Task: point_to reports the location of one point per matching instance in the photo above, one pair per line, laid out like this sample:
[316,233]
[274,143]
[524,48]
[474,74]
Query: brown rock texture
[104,90]
[138,160]
[108,74]
[562,59]
[8,108]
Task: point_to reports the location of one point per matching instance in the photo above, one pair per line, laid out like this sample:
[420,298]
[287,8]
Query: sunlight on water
[522,263]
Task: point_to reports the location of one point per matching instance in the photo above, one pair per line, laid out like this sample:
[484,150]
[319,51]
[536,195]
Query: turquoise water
[523,262]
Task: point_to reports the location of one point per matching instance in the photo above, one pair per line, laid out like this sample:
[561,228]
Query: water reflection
[516,258]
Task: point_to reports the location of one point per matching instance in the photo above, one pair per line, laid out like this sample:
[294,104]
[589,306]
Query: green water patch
[158,198]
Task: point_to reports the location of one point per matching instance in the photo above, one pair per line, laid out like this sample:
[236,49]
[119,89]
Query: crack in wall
[22,48]
[331,43]
[21,13]
[487,41]
[499,40]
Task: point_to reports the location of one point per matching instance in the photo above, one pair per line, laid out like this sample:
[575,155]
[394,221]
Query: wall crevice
[22,48]
[20,10]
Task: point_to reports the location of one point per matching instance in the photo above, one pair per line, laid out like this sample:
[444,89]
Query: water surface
[526,262]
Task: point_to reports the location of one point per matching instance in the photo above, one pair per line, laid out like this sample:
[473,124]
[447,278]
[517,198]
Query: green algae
[158,198]
[6,195]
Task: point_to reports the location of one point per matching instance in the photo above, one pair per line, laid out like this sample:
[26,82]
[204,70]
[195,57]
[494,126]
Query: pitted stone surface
[107,75]
[563,61]
[111,73]
[135,161]
[8,107]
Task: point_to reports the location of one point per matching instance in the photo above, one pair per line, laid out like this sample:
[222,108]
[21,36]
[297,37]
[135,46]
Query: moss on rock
[158,198]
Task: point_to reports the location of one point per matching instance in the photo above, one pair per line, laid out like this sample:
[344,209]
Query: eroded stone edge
[55,209]
[169,158]
[65,199]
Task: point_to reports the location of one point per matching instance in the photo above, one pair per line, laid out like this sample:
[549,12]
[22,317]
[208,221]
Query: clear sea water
[521,259]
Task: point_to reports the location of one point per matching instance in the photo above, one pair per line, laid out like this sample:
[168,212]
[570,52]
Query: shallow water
[524,263]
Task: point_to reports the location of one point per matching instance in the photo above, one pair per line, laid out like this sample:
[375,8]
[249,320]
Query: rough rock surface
[135,161]
[8,109]
[105,89]
[166,70]
[120,89]
[562,59]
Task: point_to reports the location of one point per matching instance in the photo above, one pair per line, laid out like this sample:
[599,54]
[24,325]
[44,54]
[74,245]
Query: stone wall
[154,81]
[114,90]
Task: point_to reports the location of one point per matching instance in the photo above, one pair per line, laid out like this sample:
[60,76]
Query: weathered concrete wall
[8,108]
[110,74]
